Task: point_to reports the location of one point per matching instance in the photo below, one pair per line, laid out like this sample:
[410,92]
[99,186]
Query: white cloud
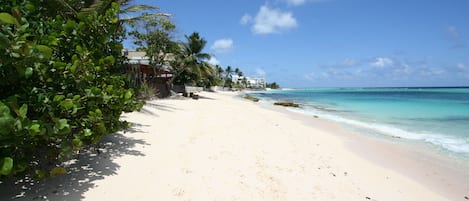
[381,62]
[260,72]
[462,69]
[295,2]
[269,21]
[300,2]
[222,45]
[246,19]
[213,61]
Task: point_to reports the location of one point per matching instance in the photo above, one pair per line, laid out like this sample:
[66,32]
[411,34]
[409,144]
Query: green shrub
[61,88]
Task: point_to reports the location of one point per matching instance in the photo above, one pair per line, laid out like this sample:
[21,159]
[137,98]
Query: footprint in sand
[178,192]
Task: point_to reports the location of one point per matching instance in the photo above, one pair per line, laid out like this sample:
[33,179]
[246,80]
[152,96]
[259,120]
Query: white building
[252,82]
[140,57]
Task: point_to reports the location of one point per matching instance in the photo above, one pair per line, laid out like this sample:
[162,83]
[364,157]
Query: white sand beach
[221,147]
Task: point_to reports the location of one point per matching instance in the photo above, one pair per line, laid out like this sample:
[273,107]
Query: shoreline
[415,160]
[222,147]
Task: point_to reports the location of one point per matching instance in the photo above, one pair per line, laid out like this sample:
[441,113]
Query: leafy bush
[61,89]
[272,85]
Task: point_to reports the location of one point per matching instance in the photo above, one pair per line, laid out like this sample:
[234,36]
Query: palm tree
[219,71]
[238,72]
[228,76]
[191,66]
[228,72]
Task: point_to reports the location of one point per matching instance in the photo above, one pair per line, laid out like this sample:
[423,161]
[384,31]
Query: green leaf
[40,174]
[6,166]
[57,171]
[70,26]
[28,72]
[87,132]
[23,111]
[35,129]
[30,7]
[8,19]
[77,143]
[58,98]
[73,68]
[45,51]
[4,110]
[15,55]
[128,95]
[109,60]
[62,124]
[67,104]
[6,124]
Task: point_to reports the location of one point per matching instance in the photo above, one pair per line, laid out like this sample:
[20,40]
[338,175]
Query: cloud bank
[222,45]
[270,20]
[300,2]
[213,61]
[386,71]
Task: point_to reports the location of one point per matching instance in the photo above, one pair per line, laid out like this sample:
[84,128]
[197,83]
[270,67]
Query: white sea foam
[451,143]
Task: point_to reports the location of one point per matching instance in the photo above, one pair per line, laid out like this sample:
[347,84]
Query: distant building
[137,57]
[252,82]
[140,57]
[141,72]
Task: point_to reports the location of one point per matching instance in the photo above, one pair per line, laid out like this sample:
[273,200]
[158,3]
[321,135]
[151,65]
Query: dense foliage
[272,85]
[191,63]
[62,86]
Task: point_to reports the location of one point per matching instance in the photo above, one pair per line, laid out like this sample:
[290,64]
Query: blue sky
[333,43]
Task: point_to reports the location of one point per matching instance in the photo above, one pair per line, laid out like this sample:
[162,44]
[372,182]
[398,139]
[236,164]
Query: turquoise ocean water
[438,117]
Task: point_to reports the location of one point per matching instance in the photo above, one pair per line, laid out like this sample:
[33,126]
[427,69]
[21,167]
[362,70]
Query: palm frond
[93,6]
[147,16]
[203,56]
[138,8]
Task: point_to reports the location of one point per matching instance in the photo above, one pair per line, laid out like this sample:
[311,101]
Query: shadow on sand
[92,165]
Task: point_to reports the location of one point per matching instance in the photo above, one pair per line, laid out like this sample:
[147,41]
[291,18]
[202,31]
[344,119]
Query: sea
[437,117]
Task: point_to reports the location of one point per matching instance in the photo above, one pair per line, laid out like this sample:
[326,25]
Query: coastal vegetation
[185,59]
[272,85]
[63,86]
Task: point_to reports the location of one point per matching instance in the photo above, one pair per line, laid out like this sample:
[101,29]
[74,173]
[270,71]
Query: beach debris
[345,173]
[331,173]
[368,198]
[287,104]
[251,98]
[316,116]
[466,197]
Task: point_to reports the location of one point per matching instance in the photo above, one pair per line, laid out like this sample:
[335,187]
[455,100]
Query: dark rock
[287,104]
[251,98]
